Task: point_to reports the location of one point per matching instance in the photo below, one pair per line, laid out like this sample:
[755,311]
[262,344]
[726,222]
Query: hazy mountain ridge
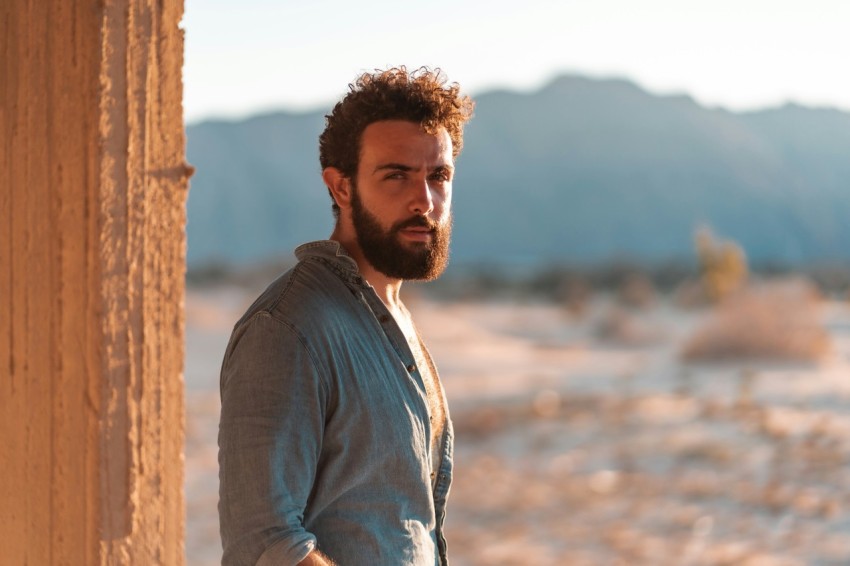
[581,171]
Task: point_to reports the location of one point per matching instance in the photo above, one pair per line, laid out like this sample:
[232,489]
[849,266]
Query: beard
[384,250]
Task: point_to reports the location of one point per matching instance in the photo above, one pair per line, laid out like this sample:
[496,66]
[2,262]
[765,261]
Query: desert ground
[584,437]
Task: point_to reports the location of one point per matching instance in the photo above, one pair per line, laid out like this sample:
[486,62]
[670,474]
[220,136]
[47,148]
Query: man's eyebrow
[403,167]
[394,167]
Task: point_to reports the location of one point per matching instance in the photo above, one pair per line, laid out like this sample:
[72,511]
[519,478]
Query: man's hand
[316,558]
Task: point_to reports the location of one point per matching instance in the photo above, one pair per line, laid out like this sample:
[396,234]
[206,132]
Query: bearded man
[335,442]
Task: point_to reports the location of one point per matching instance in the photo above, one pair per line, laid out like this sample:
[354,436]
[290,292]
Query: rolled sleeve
[270,434]
[287,551]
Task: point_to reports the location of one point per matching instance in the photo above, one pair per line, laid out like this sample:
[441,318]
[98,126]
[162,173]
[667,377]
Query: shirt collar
[331,252]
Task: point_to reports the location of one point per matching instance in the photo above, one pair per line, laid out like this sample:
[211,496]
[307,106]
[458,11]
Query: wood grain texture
[92,251]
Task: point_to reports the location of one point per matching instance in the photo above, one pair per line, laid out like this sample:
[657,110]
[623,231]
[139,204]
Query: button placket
[392,333]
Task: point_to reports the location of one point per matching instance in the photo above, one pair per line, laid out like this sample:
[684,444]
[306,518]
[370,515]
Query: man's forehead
[404,137]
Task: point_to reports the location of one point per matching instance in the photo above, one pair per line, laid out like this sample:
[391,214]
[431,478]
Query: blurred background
[643,332]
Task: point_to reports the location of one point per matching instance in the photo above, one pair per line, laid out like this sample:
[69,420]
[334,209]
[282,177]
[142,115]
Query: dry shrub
[779,321]
[723,265]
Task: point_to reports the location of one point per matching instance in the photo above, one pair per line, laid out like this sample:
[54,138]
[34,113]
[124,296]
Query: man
[335,442]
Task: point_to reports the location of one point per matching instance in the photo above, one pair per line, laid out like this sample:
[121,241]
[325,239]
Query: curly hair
[422,96]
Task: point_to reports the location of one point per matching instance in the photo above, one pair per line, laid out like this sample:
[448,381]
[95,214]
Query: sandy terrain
[585,440]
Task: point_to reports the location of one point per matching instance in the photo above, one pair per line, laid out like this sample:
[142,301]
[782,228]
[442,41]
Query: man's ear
[339,185]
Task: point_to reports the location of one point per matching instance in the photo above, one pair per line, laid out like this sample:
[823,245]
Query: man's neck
[387,288]
[388,291]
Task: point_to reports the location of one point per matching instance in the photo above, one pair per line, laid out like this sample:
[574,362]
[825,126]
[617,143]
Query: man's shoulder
[301,294]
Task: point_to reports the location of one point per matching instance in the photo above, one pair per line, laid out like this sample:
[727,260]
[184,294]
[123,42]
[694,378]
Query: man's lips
[417,229]
[418,233]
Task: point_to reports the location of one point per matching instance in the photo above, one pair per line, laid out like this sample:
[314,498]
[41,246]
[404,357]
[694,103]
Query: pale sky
[249,56]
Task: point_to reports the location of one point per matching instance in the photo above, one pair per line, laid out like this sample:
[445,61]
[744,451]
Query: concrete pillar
[92,212]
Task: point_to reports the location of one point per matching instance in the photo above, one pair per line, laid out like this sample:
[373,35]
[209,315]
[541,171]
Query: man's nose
[422,201]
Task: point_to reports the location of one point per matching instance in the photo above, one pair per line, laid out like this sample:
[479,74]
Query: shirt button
[411,368]
[384,319]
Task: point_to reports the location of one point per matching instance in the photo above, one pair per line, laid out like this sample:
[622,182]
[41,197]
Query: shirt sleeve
[272,421]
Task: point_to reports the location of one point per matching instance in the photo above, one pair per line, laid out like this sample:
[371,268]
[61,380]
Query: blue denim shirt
[324,439]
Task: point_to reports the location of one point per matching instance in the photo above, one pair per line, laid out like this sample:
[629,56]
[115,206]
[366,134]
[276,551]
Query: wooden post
[92,253]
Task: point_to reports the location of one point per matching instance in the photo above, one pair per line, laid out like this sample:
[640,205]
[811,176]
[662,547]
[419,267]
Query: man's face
[401,201]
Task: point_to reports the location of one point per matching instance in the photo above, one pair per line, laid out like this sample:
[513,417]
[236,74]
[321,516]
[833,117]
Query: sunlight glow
[258,55]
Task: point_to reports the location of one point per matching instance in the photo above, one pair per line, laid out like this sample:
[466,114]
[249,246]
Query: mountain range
[582,171]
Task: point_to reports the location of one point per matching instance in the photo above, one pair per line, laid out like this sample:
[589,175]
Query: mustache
[416,222]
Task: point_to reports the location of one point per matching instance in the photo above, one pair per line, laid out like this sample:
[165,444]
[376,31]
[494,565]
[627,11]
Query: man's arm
[272,422]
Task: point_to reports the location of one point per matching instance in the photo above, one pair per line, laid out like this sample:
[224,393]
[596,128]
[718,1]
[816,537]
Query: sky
[251,56]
